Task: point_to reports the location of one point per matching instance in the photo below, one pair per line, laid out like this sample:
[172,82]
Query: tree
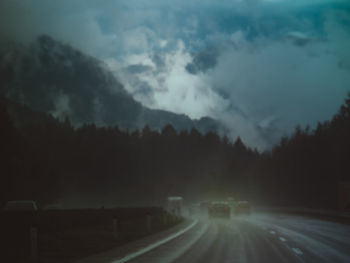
[146,132]
[239,145]
[8,153]
[168,131]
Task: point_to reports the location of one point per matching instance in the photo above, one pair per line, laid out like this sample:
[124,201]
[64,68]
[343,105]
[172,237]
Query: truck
[219,209]
[175,205]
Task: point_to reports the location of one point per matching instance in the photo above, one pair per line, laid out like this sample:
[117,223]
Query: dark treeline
[307,168]
[49,161]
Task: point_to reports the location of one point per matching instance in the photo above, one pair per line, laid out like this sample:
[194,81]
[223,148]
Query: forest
[49,161]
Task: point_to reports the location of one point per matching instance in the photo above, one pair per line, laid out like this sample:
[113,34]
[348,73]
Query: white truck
[175,205]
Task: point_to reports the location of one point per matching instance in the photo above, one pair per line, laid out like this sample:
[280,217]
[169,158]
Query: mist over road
[257,238]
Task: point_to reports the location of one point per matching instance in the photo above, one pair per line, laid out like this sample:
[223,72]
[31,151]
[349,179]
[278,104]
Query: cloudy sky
[258,66]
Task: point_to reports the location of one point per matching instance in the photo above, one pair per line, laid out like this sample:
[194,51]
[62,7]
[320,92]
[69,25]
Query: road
[257,238]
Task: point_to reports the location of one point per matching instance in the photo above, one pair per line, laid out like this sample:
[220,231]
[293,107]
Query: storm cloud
[272,64]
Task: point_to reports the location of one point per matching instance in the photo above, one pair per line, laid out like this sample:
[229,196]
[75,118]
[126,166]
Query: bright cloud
[275,64]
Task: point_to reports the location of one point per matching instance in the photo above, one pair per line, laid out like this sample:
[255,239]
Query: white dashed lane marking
[297,251]
[283,239]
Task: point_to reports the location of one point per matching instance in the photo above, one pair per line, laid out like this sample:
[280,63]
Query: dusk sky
[272,64]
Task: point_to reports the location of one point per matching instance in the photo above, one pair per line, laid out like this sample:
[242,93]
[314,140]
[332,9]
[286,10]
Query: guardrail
[65,235]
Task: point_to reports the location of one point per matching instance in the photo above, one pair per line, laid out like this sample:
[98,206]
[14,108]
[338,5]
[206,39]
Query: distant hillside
[21,115]
[52,77]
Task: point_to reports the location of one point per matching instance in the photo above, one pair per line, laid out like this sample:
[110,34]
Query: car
[219,210]
[204,207]
[242,207]
[21,205]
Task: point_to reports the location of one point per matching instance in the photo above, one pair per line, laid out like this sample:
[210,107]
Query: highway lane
[257,238]
[318,241]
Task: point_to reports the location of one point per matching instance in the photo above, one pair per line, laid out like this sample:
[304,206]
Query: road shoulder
[120,254]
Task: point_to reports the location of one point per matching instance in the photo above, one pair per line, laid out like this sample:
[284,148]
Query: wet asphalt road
[264,238]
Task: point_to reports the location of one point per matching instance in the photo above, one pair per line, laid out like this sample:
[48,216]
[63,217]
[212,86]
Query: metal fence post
[165,219]
[148,223]
[116,234]
[34,244]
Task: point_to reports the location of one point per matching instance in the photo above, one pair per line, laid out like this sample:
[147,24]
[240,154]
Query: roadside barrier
[60,234]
